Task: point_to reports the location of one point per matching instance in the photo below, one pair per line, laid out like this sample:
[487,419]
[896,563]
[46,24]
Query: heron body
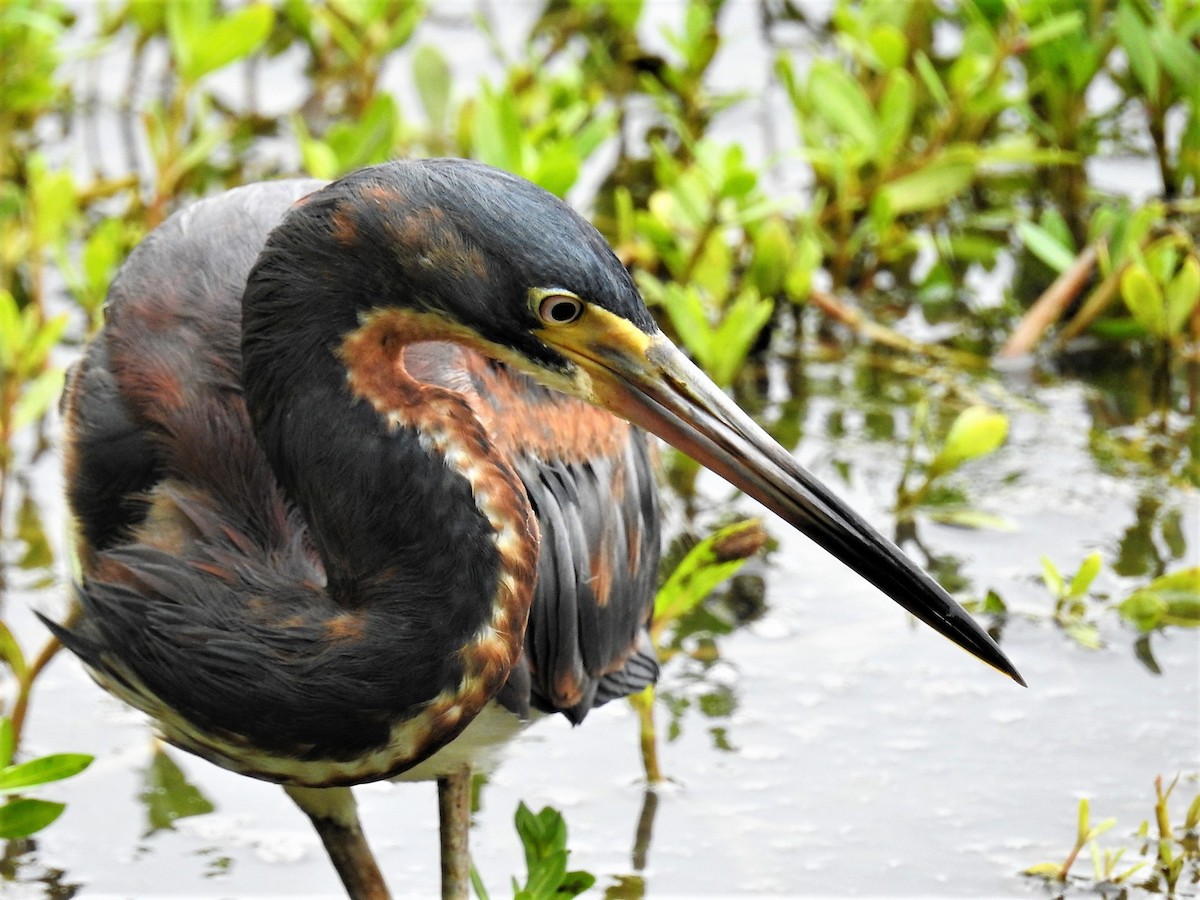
[346,472]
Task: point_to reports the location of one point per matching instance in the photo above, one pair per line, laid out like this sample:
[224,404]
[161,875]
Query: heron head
[476,254]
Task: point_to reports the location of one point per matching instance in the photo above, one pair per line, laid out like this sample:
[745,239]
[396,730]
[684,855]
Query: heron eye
[559,309]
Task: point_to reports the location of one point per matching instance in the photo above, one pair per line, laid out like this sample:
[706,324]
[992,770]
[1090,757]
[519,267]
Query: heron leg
[454,817]
[334,815]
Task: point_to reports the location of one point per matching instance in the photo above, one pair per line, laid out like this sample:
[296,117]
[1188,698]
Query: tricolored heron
[344,476]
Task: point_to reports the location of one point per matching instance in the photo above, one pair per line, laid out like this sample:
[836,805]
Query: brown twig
[1051,306]
[855,320]
[1097,302]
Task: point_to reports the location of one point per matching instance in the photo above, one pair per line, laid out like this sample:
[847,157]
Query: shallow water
[834,749]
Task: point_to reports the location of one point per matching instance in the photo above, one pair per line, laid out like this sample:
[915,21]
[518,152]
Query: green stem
[25,688]
[643,704]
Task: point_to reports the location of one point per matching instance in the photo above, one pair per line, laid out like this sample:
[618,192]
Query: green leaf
[1182,294]
[1053,578]
[546,876]
[1161,258]
[1087,573]
[715,559]
[1192,817]
[1045,870]
[1134,36]
[1042,244]
[930,187]
[24,816]
[575,883]
[740,326]
[842,102]
[30,531]
[993,603]
[319,159]
[1143,609]
[1100,828]
[1178,57]
[431,73]
[772,250]
[43,770]
[1084,634]
[11,653]
[686,311]
[1183,581]
[1144,299]
[12,332]
[897,107]
[890,47]
[1171,599]
[976,432]
[1070,23]
[230,38]
[497,130]
[102,253]
[962,517]
[54,203]
[38,397]
[41,340]
[368,139]
[199,150]
[713,266]
[931,80]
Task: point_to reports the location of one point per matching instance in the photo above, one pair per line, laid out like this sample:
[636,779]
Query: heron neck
[411,513]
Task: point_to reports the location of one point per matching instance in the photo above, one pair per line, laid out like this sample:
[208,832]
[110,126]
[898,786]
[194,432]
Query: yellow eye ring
[560,309]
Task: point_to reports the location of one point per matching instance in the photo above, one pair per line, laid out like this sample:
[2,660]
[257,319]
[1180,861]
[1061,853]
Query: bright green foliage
[715,559]
[27,387]
[710,562]
[544,133]
[1085,833]
[23,816]
[1161,286]
[976,432]
[1171,599]
[352,143]
[17,778]
[1054,248]
[101,254]
[544,837]
[204,40]
[432,76]
[1071,609]
[1165,864]
[714,254]
[30,32]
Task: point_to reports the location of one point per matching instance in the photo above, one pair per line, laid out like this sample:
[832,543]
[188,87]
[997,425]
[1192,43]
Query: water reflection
[167,795]
[21,865]
[633,886]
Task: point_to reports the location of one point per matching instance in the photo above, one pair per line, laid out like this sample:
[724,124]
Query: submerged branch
[1051,306]
[881,334]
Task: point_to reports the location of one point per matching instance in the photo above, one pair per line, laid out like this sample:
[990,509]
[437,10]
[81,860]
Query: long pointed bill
[647,380]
